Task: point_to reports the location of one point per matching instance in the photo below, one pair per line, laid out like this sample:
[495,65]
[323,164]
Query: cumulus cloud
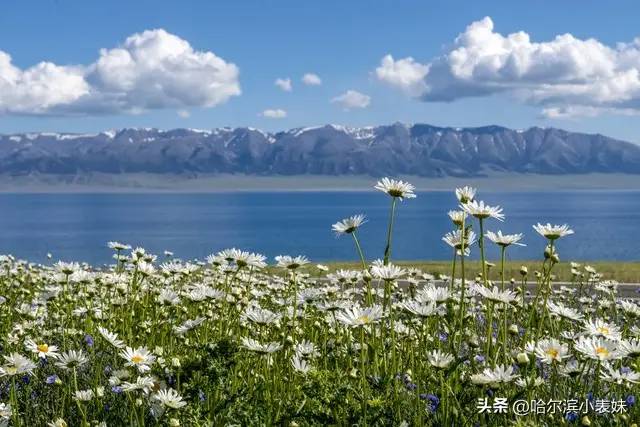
[311,79]
[405,74]
[352,99]
[284,84]
[150,70]
[566,76]
[274,113]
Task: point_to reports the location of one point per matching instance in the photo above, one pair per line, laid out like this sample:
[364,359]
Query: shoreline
[228,183]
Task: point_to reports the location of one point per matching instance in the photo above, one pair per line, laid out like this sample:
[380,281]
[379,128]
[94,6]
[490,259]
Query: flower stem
[482,258]
[387,249]
[359,248]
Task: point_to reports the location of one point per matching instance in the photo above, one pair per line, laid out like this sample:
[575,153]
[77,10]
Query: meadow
[237,341]
[623,272]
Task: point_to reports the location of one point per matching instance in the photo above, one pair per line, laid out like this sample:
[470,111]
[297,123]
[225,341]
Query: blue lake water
[77,226]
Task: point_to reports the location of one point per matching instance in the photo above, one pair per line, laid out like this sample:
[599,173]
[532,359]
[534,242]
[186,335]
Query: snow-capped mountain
[396,149]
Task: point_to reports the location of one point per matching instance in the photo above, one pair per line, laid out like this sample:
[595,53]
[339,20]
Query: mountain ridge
[396,149]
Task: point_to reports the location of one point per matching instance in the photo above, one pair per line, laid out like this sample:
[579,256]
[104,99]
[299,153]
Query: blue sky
[342,42]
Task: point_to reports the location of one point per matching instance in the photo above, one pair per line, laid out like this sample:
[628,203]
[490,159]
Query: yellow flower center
[602,351]
[137,358]
[43,348]
[364,319]
[603,330]
[553,353]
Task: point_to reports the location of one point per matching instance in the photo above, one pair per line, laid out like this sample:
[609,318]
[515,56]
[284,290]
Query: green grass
[624,272]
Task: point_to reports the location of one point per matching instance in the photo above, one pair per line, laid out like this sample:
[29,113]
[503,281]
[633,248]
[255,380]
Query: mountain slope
[396,149]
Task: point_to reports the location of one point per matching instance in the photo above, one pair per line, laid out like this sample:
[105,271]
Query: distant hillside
[396,149]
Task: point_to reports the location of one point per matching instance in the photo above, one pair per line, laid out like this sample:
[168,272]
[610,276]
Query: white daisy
[439,359]
[553,232]
[255,346]
[348,225]
[630,307]
[300,365]
[465,194]
[169,398]
[433,293]
[423,309]
[357,316]
[504,239]
[83,395]
[600,328]
[144,383]
[597,348]
[394,188]
[188,325]
[495,294]
[72,359]
[457,217]
[630,348]
[43,350]
[454,239]
[570,369]
[139,358]
[551,350]
[261,315]
[501,374]
[286,261]
[558,309]
[117,246]
[387,272]
[111,337]
[5,413]
[16,364]
[306,349]
[482,211]
[620,376]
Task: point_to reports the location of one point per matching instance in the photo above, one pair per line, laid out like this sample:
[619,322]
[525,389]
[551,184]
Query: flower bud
[523,358]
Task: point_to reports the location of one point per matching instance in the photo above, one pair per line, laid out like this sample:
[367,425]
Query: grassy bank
[625,272]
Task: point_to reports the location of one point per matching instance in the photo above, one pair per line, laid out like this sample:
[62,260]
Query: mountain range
[396,149]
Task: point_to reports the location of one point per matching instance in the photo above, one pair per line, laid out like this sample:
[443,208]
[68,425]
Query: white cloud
[284,84]
[406,74]
[38,89]
[150,70]
[352,99]
[567,76]
[274,113]
[311,79]
[185,114]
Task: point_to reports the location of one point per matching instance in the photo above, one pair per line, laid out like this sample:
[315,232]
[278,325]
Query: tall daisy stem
[359,249]
[505,312]
[363,377]
[463,285]
[387,249]
[482,257]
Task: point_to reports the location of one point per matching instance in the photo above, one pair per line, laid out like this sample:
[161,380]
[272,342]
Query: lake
[78,226]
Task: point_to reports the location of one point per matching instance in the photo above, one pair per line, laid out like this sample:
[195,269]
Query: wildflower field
[228,341]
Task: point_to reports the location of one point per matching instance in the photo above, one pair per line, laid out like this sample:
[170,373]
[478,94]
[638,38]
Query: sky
[78,66]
